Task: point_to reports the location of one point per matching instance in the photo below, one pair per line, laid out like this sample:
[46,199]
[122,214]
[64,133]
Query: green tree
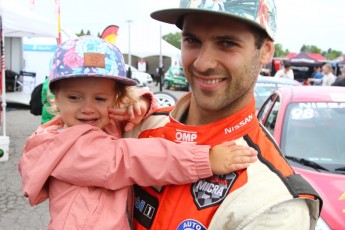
[279,51]
[174,39]
[331,54]
[310,49]
[81,33]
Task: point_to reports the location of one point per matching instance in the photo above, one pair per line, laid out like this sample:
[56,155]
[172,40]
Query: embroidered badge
[145,207]
[211,191]
[94,60]
[190,225]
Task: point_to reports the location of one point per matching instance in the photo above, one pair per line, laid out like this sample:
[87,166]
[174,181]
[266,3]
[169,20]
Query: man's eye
[229,43]
[190,40]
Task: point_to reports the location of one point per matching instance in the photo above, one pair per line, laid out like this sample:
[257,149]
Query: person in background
[340,81]
[328,76]
[223,50]
[286,72]
[46,98]
[317,75]
[87,79]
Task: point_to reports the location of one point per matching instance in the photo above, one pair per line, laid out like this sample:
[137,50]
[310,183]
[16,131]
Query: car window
[315,131]
[261,92]
[263,112]
[272,116]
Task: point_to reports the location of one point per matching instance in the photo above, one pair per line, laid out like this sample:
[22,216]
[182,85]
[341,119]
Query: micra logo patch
[185,136]
[211,191]
[190,225]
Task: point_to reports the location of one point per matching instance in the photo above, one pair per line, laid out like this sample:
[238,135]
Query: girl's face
[85,100]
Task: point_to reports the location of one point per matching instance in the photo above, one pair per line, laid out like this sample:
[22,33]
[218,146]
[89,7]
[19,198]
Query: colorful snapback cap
[259,13]
[88,56]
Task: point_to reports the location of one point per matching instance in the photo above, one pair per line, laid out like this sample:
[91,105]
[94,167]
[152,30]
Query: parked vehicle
[308,123]
[175,78]
[142,78]
[266,85]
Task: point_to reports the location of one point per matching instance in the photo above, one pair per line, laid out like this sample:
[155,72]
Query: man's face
[221,62]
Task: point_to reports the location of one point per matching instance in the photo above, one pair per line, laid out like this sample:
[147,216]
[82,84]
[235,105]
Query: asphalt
[15,210]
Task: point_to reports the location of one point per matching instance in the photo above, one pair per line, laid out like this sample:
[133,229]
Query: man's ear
[267,52]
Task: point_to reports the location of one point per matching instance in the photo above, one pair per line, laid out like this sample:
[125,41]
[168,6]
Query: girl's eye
[73,97]
[101,99]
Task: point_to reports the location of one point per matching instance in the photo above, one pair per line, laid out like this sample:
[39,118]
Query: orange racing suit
[241,199]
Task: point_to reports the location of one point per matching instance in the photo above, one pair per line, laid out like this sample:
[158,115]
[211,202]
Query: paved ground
[15,211]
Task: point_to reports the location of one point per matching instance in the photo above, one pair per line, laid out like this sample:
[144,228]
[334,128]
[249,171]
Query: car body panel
[266,85]
[318,113]
[175,78]
[142,78]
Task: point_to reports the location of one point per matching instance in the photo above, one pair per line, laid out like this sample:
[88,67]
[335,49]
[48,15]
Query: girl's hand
[131,115]
[228,157]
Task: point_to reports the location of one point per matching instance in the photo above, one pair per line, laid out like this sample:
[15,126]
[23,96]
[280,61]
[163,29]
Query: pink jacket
[86,174]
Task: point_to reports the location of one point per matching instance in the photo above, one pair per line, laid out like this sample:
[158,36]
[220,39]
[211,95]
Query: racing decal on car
[190,225]
[211,191]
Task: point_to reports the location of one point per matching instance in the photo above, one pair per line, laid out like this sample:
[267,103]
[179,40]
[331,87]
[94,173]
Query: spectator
[317,75]
[286,72]
[328,76]
[340,81]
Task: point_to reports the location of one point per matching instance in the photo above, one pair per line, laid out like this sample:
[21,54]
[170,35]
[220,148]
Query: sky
[310,22]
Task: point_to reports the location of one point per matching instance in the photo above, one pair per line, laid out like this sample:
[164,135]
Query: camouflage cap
[259,13]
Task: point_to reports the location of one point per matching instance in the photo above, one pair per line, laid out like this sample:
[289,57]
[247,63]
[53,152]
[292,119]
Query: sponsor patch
[211,191]
[190,225]
[145,207]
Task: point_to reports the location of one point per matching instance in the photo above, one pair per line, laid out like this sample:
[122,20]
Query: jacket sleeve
[291,214]
[98,159]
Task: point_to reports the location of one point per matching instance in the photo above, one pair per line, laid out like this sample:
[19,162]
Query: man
[328,76]
[287,72]
[222,54]
[317,75]
[340,81]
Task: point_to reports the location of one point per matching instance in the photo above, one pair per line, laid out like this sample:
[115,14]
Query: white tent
[19,22]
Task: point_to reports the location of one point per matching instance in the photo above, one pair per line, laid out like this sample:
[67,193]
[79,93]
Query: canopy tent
[21,22]
[305,59]
[17,21]
[303,64]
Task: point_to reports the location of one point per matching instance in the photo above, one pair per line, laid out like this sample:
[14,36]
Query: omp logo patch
[185,136]
[190,225]
[211,191]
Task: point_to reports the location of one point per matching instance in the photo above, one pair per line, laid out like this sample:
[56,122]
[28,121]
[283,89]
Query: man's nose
[205,59]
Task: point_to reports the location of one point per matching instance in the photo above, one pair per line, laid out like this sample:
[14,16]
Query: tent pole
[3,91]
[3,80]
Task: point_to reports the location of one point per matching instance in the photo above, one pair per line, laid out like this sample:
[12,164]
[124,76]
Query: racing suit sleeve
[291,214]
[94,158]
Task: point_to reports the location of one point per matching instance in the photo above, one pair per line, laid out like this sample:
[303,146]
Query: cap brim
[173,15]
[123,80]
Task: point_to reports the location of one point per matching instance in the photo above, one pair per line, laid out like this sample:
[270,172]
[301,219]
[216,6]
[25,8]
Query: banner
[110,34]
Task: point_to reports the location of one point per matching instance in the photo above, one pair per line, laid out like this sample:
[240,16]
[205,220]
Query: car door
[268,113]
